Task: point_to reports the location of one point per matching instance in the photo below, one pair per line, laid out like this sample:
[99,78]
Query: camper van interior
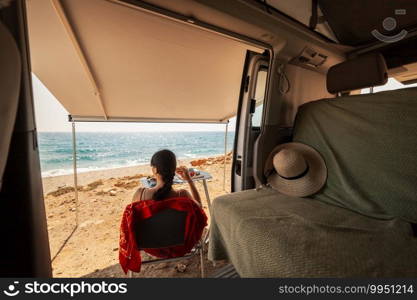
[302,72]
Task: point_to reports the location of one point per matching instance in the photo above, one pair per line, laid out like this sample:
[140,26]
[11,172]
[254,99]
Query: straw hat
[296,169]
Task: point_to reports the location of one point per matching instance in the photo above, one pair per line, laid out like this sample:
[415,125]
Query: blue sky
[52,116]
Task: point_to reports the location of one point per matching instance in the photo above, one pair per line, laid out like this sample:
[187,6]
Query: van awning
[106,60]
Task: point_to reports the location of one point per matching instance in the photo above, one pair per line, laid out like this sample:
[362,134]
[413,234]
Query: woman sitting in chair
[164,166]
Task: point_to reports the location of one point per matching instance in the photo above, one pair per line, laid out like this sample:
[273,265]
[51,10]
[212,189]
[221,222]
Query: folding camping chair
[166,229]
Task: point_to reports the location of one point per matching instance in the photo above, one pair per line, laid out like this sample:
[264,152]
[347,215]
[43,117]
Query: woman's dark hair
[165,163]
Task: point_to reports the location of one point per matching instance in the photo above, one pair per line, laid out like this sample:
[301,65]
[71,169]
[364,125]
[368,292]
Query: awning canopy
[107,60]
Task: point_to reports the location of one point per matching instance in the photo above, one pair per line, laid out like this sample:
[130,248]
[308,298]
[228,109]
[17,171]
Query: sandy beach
[91,250]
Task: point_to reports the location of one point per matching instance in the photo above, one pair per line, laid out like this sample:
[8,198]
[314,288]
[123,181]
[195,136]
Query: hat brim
[310,183]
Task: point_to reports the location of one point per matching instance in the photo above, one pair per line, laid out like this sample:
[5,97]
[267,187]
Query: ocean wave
[128,163]
[101,151]
[61,172]
[190,155]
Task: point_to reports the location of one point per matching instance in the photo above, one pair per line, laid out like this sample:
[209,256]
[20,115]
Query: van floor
[227,271]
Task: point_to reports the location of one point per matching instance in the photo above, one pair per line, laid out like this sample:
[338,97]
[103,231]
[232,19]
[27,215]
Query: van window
[392,84]
[259,97]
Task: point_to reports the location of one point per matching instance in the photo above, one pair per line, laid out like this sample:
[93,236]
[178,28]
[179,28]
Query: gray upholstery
[362,72]
[369,144]
[10,71]
[267,234]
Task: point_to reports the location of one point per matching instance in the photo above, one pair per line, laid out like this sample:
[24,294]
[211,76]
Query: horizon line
[128,131]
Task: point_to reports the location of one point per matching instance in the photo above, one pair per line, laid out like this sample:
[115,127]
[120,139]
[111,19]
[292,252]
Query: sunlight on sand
[92,250]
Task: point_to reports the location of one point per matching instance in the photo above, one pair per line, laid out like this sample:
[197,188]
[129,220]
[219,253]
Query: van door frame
[26,250]
[242,153]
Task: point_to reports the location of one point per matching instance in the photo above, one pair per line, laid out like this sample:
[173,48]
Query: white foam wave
[61,172]
[128,163]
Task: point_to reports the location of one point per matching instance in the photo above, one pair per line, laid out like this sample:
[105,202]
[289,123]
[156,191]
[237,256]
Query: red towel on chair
[129,254]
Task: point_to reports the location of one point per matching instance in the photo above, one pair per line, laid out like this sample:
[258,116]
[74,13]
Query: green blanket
[369,143]
[359,225]
[267,234]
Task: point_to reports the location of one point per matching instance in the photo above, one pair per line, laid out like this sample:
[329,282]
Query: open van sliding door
[249,119]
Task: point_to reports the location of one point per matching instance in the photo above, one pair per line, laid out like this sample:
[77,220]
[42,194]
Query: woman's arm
[183,172]
[194,192]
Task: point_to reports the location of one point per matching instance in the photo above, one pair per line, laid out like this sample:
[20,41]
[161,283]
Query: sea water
[107,150]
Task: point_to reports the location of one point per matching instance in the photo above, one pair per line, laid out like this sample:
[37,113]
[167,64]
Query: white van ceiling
[104,60]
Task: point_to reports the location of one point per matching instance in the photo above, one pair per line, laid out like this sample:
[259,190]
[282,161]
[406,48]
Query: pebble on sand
[180,268]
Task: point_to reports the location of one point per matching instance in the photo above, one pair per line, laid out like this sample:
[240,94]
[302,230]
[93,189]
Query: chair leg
[202,260]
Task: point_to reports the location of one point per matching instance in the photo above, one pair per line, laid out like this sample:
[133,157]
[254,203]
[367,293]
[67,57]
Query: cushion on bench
[369,144]
[267,234]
